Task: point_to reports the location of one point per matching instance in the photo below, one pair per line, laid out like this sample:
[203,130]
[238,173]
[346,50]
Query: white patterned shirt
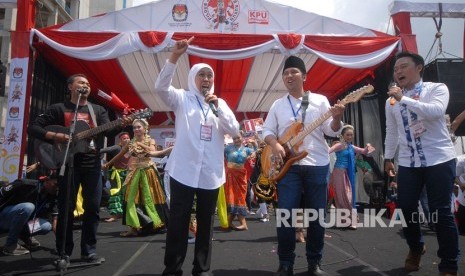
[435,144]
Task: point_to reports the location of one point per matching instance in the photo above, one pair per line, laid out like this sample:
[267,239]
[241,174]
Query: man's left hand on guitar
[337,110]
[126,120]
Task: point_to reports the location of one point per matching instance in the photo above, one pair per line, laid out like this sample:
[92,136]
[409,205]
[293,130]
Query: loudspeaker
[452,73]
[2,79]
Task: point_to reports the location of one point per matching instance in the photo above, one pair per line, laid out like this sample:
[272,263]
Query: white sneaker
[15,250]
[265,218]
[30,243]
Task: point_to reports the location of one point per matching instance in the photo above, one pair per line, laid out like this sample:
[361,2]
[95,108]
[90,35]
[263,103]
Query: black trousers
[181,201]
[461,219]
[90,180]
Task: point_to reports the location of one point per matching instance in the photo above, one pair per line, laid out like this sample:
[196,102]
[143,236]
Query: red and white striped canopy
[245,42]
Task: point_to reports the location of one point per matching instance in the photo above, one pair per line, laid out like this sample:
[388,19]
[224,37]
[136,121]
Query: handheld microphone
[392,100]
[82,90]
[211,104]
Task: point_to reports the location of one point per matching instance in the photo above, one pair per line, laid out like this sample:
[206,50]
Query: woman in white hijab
[196,163]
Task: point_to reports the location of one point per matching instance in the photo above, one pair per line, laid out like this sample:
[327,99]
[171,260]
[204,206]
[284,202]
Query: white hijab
[191,78]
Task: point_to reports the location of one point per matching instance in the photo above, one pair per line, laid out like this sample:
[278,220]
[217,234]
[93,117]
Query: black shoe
[161,230]
[202,274]
[284,271]
[93,258]
[314,269]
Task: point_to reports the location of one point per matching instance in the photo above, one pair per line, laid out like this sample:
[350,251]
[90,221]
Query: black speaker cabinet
[2,79]
[452,73]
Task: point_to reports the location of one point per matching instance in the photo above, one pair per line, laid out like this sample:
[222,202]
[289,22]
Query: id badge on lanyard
[206,132]
[417,128]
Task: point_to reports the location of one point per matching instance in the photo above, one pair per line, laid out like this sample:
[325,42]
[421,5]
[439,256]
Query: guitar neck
[308,129]
[350,98]
[96,130]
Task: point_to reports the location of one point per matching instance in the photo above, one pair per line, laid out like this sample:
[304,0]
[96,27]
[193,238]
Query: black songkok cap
[295,62]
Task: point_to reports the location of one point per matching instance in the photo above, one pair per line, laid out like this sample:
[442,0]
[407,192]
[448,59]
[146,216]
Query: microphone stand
[63,261]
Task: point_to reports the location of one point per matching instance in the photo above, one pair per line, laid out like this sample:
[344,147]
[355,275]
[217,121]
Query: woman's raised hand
[181,45]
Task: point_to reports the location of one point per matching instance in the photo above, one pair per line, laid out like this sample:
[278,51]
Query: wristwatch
[389,160]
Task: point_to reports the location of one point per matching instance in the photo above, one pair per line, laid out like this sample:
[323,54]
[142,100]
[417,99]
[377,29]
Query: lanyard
[417,90]
[294,112]
[203,111]
[416,95]
[413,116]
[304,104]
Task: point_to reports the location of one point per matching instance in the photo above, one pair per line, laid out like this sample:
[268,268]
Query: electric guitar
[293,138]
[51,154]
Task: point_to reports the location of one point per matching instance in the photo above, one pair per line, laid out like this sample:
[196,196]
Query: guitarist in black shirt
[52,127]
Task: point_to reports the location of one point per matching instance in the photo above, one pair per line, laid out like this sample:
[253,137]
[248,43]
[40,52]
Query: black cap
[295,62]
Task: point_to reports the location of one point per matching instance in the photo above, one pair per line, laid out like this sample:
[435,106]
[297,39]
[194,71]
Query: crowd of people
[200,163]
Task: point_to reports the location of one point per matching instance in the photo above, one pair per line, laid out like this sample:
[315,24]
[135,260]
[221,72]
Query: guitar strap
[304,105]
[92,114]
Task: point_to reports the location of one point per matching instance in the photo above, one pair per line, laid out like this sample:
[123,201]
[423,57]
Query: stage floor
[366,251]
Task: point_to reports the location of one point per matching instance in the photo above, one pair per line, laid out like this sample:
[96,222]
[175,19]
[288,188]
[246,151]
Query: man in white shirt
[415,122]
[308,175]
[196,163]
